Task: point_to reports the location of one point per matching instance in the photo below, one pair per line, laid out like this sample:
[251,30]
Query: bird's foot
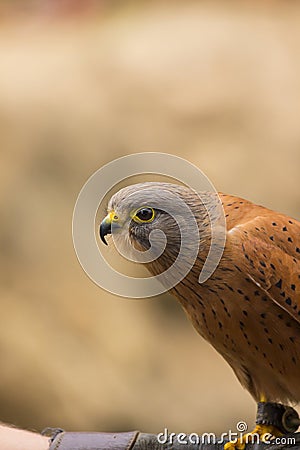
[261,433]
[273,420]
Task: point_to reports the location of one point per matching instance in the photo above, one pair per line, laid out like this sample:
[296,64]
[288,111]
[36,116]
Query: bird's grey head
[152,219]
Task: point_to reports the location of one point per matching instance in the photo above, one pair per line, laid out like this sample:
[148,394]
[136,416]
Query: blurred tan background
[80,84]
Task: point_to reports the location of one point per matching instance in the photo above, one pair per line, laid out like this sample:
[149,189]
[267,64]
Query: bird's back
[249,310]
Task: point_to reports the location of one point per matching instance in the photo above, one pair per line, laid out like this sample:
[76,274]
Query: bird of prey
[249,309]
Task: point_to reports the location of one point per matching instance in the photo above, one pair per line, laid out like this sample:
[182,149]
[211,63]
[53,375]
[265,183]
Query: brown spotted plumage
[249,309]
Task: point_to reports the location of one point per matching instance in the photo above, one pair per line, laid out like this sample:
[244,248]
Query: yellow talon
[236,445]
[259,433]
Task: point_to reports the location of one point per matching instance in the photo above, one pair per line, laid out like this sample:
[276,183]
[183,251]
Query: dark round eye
[145,214]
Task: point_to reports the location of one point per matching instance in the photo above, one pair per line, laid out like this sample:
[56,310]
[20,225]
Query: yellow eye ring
[144,215]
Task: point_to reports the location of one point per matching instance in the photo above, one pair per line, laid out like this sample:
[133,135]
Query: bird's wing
[269,251]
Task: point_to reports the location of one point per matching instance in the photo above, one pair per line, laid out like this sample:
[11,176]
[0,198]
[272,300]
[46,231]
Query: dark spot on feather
[213,291]
[288,301]
[279,283]
[226,310]
[229,287]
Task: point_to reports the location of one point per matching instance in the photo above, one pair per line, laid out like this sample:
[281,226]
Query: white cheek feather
[123,243]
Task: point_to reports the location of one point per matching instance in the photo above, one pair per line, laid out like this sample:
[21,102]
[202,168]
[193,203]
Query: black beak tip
[103,239]
[105,228]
